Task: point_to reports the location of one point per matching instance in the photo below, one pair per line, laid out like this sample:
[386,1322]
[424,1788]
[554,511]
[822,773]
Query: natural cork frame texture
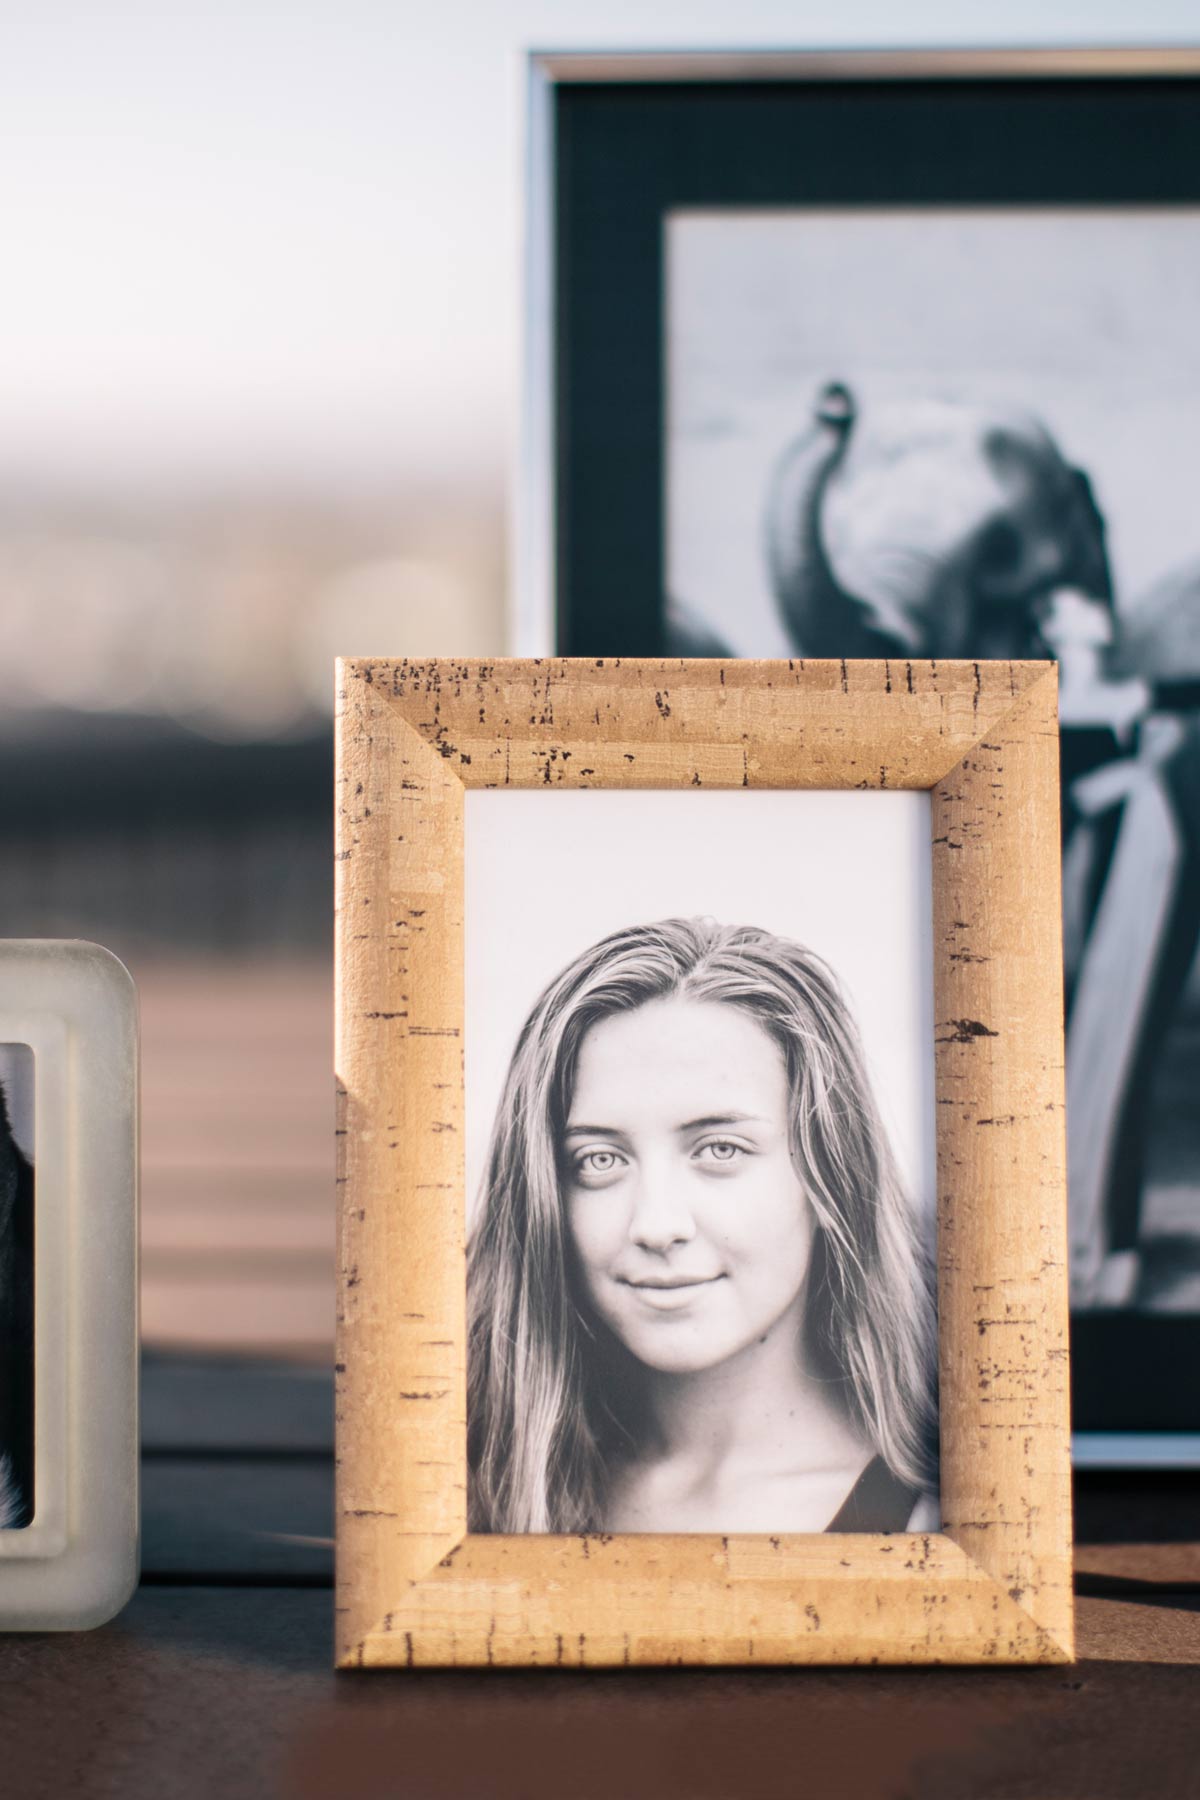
[413,1588]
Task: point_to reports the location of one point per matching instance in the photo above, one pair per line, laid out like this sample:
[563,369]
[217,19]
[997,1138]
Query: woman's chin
[675,1352]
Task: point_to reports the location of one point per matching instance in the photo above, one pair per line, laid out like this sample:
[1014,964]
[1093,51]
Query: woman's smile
[670,1282]
[672,1295]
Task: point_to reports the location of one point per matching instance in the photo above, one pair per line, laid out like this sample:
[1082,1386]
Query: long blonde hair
[548,1411]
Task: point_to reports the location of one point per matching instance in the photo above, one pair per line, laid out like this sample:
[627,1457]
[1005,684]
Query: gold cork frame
[414,1589]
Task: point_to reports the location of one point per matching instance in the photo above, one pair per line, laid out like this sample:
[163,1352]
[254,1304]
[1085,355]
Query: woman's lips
[669,1281]
[674,1290]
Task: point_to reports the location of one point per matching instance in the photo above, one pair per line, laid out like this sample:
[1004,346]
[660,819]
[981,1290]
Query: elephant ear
[1048,531]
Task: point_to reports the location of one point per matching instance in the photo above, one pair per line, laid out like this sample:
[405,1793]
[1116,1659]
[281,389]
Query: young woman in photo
[697,1297]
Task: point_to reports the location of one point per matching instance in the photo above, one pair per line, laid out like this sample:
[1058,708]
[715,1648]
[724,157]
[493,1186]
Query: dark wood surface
[217,1680]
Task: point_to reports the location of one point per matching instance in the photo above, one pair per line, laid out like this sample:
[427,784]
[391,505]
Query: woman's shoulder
[926,1515]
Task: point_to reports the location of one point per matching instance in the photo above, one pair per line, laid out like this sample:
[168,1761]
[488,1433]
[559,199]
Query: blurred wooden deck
[237,1155]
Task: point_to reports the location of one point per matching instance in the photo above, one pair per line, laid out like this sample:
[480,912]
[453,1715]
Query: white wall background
[847,874]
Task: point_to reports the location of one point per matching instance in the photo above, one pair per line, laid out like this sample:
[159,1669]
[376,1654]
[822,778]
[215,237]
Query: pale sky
[260,321]
[249,235]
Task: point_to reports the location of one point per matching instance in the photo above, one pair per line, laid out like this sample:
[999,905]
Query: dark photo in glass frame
[16,1285]
[623,147]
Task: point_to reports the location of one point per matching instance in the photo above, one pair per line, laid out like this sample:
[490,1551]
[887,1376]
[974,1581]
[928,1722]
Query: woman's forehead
[694,1058]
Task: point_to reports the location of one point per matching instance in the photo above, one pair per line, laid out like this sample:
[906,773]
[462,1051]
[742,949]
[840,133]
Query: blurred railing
[158,841]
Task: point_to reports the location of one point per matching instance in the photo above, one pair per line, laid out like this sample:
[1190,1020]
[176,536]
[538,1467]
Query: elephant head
[930,528]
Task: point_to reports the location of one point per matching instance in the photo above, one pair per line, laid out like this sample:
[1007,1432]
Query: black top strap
[878,1501]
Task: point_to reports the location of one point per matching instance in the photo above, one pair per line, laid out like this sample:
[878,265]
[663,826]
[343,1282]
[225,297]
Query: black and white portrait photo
[16,1285]
[975,433]
[699,1088]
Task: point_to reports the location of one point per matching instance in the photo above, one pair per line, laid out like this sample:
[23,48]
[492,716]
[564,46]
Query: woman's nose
[661,1216]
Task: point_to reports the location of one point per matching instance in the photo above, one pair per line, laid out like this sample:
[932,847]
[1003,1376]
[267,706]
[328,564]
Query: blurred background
[259,368]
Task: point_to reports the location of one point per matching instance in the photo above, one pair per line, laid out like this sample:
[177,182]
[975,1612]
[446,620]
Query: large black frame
[625,149]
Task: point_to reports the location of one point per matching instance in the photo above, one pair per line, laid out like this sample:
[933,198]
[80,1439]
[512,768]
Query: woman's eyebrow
[727,1118]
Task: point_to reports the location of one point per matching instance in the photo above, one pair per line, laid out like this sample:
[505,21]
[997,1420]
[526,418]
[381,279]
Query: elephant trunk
[822,618]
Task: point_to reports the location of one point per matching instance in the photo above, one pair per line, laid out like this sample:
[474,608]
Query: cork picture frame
[418,1588]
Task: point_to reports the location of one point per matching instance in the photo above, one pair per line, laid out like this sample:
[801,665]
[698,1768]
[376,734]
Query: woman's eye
[720,1151]
[598,1163]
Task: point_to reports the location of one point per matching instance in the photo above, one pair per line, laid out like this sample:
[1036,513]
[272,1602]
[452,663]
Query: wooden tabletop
[217,1680]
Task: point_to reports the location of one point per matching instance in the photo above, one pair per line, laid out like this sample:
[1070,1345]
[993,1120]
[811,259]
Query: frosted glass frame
[76,1563]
